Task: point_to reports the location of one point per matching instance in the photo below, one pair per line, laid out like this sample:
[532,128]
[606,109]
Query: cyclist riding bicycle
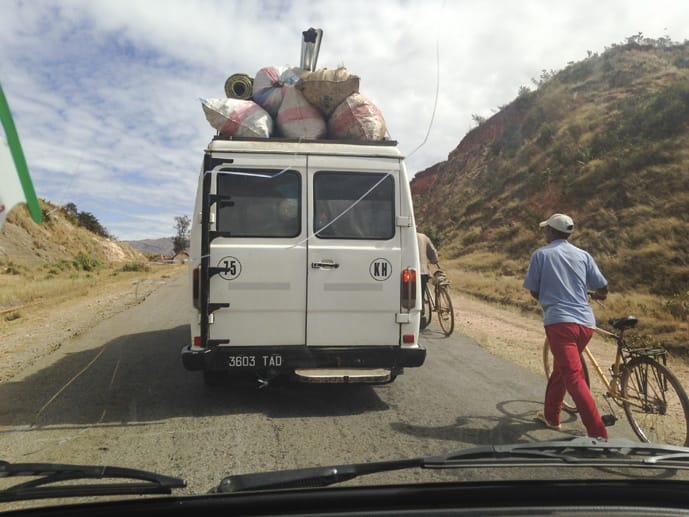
[427,255]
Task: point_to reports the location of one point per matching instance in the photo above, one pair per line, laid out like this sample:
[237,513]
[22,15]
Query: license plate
[253,361]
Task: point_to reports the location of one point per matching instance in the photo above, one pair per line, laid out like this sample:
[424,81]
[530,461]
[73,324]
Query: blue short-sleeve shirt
[562,274]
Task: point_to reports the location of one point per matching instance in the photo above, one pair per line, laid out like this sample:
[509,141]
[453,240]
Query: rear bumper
[286,359]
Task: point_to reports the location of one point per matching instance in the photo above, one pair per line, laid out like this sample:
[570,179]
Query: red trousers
[567,342]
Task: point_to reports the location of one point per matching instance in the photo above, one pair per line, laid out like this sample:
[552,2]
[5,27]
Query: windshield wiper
[582,451]
[140,481]
[577,452]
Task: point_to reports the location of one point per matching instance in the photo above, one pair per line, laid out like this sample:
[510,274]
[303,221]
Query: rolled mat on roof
[239,86]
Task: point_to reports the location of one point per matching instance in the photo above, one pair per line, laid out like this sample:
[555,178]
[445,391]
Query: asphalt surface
[119,395]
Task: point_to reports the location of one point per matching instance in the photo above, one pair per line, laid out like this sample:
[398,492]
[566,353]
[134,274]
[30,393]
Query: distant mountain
[605,140]
[162,246]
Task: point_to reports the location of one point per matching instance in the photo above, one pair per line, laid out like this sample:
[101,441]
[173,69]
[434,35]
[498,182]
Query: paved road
[118,395]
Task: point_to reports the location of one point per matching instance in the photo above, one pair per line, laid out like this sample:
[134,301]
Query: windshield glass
[218,258]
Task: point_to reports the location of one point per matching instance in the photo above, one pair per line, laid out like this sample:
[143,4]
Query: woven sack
[297,118]
[326,89]
[270,84]
[237,117]
[356,118]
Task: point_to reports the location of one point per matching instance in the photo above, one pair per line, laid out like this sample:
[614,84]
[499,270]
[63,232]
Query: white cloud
[105,94]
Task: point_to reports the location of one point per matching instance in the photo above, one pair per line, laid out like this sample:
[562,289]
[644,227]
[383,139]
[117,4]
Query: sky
[106,94]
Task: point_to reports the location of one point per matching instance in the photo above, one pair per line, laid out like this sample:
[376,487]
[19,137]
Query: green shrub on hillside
[132,267]
[655,115]
[83,262]
[10,268]
[678,306]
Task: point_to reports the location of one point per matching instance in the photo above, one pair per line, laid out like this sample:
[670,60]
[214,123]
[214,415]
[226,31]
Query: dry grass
[36,289]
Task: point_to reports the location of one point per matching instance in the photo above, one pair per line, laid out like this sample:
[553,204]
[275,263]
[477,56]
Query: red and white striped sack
[237,117]
[299,119]
[356,118]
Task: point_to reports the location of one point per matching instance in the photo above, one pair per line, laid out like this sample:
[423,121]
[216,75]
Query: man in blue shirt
[560,276]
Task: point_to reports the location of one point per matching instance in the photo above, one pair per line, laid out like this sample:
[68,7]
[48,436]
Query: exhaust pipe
[310,45]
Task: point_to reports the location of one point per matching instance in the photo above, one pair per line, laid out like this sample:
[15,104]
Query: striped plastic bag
[356,118]
[237,117]
[270,85]
[299,119]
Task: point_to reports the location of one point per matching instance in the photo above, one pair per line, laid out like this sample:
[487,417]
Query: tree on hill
[71,211]
[181,239]
[85,220]
[90,222]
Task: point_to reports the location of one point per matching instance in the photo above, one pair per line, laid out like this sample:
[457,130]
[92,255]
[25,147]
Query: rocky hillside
[605,140]
[57,239]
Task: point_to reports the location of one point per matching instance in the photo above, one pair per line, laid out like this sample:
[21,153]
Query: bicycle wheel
[426,308]
[655,403]
[446,314]
[567,404]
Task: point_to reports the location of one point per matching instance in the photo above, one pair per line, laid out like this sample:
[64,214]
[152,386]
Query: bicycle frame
[612,389]
[439,301]
[432,295]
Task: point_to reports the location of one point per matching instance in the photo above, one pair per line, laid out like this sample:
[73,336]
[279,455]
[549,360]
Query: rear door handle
[324,265]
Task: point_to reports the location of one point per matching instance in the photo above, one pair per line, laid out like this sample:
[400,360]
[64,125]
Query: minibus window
[354,205]
[262,203]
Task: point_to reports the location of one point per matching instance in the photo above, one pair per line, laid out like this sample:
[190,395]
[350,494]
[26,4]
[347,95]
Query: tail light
[196,275]
[408,290]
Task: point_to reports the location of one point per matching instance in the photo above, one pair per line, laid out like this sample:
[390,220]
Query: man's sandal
[541,417]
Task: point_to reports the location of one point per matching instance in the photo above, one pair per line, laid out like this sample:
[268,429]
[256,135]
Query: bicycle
[639,381]
[440,302]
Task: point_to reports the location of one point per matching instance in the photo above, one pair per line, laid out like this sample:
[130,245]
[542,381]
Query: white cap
[560,222]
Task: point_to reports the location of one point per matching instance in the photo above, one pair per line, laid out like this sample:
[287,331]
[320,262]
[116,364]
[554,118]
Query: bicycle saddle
[623,323]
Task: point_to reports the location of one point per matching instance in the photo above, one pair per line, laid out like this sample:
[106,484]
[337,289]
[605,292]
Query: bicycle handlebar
[594,296]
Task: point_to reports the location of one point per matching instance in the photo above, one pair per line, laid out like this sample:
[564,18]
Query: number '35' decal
[231,268]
